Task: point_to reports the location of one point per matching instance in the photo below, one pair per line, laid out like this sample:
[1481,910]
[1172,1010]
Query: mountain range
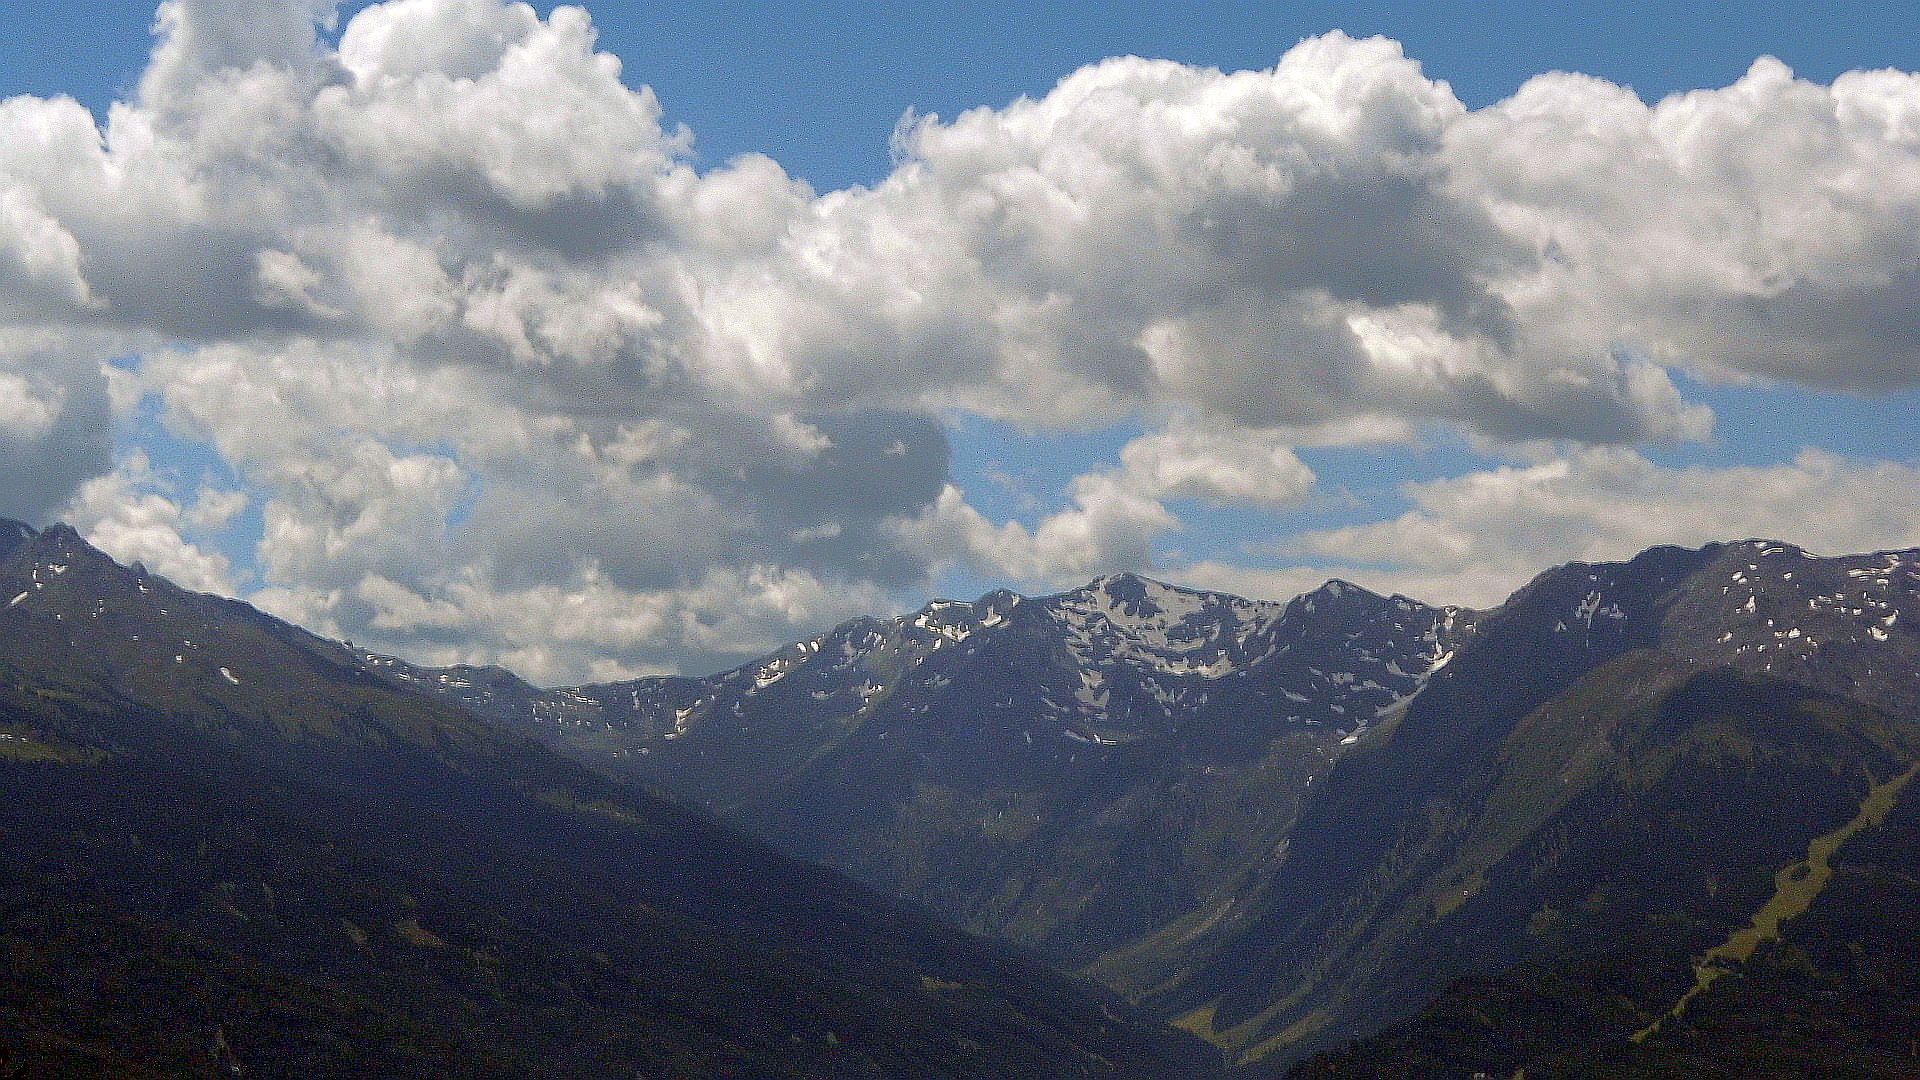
[1068,772]
[1282,825]
[1644,818]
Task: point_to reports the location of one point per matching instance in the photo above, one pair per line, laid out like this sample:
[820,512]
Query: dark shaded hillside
[1836,995]
[1356,854]
[1620,761]
[234,852]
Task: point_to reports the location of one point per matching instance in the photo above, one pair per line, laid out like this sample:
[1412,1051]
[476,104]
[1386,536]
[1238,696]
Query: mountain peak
[1338,587]
[1130,581]
[13,536]
[62,536]
[62,542]
[1337,594]
[1761,546]
[1126,597]
[998,600]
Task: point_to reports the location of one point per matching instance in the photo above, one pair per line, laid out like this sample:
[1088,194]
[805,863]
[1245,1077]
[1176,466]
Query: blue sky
[1225,482]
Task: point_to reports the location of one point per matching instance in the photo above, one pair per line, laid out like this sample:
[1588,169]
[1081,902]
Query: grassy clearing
[18,743]
[411,932]
[1795,888]
[1242,1042]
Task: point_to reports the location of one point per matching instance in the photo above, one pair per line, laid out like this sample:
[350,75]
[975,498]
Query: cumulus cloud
[1473,539]
[132,514]
[1116,514]
[29,407]
[1109,524]
[506,377]
[1219,465]
[55,420]
[1761,231]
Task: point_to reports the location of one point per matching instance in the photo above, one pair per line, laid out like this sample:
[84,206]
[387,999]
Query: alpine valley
[1648,818]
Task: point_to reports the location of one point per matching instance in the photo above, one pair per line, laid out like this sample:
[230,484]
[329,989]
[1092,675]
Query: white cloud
[1764,230]
[1116,514]
[1218,465]
[55,419]
[490,354]
[130,514]
[28,407]
[214,508]
[580,628]
[1110,524]
[37,254]
[1473,539]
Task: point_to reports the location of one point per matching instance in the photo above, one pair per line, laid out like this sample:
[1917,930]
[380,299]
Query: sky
[640,338]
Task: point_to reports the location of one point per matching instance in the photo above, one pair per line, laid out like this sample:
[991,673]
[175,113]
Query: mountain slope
[1602,765]
[232,848]
[1069,772]
[1833,990]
